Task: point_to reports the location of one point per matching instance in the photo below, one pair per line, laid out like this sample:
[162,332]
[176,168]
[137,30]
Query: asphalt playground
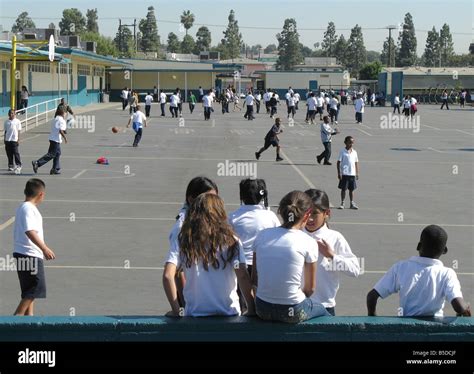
[109,224]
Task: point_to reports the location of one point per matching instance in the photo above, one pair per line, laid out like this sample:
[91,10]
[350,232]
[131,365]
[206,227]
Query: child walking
[423,282]
[348,171]
[335,255]
[138,119]
[29,248]
[12,128]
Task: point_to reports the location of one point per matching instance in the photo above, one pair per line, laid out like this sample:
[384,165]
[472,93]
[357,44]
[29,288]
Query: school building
[425,83]
[77,75]
[167,75]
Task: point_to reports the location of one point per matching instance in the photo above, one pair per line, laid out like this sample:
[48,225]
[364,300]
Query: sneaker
[54,172]
[257,155]
[353,206]
[319,158]
[35,166]
[341,206]
[10,169]
[17,170]
[279,158]
[327,163]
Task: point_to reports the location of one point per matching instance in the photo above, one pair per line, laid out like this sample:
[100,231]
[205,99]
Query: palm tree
[187,19]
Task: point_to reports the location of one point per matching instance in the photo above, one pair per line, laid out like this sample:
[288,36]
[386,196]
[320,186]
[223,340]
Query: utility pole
[134,35]
[390,28]
[120,35]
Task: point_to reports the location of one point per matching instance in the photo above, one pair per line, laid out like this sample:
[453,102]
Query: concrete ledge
[212,329]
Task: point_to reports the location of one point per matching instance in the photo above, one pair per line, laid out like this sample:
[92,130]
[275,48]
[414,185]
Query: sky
[261,20]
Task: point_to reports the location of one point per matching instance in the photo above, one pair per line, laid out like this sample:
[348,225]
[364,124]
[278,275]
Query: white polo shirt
[333,103]
[312,102]
[359,105]
[174,100]
[247,221]
[27,218]
[348,160]
[423,283]
[207,101]
[138,117]
[162,98]
[211,292]
[249,100]
[319,102]
[327,275]
[281,255]
[148,99]
[58,123]
[11,129]
[326,132]
[396,100]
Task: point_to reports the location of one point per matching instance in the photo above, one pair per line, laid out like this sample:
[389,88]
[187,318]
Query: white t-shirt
[248,221]
[312,102]
[326,132]
[148,99]
[348,160]
[211,292]
[281,254]
[207,101]
[12,128]
[249,100]
[396,100]
[162,98]
[124,94]
[291,101]
[359,105]
[319,102]
[27,218]
[58,123]
[174,100]
[333,103]
[138,117]
[327,275]
[201,91]
[423,283]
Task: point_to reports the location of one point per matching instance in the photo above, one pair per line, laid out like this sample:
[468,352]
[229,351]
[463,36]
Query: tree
[446,45]
[72,23]
[373,56]
[356,56]
[51,26]
[271,48]
[289,50]
[232,40]
[471,48]
[174,46]
[385,55]
[188,44]
[105,45]
[431,55]
[305,51]
[150,40]
[187,19]
[329,40]
[23,22]
[340,50]
[92,18]
[407,43]
[203,41]
[371,71]
[124,42]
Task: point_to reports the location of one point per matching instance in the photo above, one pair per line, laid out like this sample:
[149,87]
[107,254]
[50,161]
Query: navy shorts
[31,275]
[348,182]
[269,142]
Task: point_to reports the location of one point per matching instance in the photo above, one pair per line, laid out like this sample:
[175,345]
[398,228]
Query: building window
[5,65]
[83,69]
[65,68]
[39,67]
[99,71]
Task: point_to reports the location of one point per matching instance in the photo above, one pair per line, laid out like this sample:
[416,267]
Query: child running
[335,255]
[423,282]
[272,139]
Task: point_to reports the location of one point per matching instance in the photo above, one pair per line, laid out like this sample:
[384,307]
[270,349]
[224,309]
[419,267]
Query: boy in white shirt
[359,105]
[12,128]
[423,281]
[138,119]
[148,101]
[335,255]
[30,248]
[58,133]
[348,171]
[396,103]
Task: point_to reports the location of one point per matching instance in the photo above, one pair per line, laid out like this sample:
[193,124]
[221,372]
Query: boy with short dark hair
[348,171]
[30,248]
[423,281]
[272,139]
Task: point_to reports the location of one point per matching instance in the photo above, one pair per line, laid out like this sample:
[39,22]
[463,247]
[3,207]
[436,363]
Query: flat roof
[422,70]
[92,56]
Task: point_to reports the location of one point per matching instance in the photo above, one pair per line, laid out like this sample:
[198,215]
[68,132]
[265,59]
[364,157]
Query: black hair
[320,199]
[433,240]
[347,138]
[293,207]
[33,187]
[199,185]
[10,112]
[253,191]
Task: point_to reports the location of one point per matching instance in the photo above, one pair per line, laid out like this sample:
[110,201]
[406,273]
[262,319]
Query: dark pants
[267,106]
[23,105]
[358,117]
[124,103]
[273,111]
[174,111]
[397,107]
[162,105]
[331,311]
[445,102]
[249,113]
[207,113]
[326,153]
[180,108]
[191,107]
[147,110]
[258,106]
[54,152]
[292,111]
[12,154]
[138,137]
